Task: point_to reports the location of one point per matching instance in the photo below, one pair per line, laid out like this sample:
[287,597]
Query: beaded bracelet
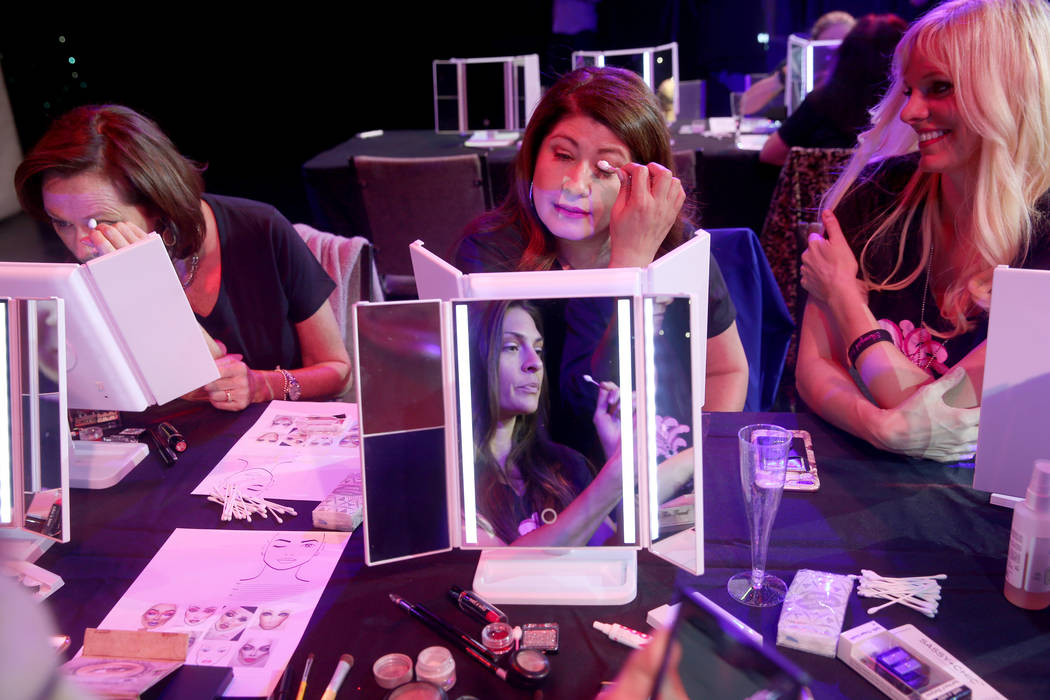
[865,341]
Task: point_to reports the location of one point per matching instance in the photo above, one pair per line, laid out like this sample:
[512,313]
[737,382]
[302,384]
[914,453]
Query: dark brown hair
[614,97]
[135,154]
[862,72]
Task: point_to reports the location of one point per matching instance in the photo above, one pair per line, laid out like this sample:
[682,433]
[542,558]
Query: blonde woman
[950,181]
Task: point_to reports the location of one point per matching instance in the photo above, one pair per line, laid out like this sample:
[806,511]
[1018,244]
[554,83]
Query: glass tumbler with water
[763,463]
[736,109]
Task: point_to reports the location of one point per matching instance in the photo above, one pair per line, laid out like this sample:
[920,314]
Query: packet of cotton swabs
[813,611]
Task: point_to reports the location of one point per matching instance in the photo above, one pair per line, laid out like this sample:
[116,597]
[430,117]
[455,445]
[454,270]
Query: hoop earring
[167,229]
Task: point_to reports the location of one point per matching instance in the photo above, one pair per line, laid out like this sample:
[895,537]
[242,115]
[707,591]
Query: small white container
[392,670]
[436,665]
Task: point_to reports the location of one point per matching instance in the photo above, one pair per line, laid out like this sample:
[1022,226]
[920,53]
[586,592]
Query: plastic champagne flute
[763,463]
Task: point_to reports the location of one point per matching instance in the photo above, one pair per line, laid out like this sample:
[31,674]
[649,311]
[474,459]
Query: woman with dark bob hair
[105,175]
[594,187]
[531,490]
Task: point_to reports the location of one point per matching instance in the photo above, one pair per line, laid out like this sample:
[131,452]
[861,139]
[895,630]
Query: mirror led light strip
[623,318]
[466,425]
[650,415]
[6,461]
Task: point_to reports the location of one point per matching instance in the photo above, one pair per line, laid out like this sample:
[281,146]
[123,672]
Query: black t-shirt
[810,126]
[901,311]
[270,282]
[500,251]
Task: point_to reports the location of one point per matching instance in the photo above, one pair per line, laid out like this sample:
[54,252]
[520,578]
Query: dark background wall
[256,95]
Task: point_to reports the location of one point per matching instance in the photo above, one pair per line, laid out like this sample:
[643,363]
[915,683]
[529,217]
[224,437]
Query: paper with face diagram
[243,597]
[297,450]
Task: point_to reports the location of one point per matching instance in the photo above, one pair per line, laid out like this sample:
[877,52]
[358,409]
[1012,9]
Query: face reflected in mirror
[520,364]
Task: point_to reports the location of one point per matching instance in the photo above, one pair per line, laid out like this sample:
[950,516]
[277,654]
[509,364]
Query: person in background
[565,211]
[835,112]
[104,176]
[950,181]
[828,27]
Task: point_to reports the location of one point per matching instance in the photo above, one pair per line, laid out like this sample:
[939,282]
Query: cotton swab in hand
[605,166]
[592,380]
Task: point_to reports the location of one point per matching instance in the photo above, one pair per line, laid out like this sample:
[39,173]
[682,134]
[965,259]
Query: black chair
[431,199]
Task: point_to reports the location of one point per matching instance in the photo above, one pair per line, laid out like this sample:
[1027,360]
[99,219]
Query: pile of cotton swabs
[919,593]
[234,505]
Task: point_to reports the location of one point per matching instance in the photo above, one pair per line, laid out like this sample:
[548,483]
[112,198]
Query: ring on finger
[229,396]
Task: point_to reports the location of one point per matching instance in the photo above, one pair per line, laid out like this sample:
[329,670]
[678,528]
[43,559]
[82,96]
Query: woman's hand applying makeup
[107,237]
[646,208]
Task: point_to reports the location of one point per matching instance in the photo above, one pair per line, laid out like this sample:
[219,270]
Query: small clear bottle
[436,665]
[1028,561]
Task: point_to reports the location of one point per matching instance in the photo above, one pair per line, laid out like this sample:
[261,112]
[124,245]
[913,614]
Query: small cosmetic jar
[436,665]
[417,690]
[392,670]
[498,637]
[529,668]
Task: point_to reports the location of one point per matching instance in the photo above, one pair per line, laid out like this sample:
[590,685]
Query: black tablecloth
[733,188]
[897,516]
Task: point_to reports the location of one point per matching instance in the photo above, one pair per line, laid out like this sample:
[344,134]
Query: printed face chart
[297,450]
[244,598]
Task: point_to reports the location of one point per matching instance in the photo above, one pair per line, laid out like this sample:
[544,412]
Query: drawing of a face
[111,669]
[254,652]
[288,552]
[272,618]
[252,481]
[157,615]
[212,652]
[233,619]
[197,613]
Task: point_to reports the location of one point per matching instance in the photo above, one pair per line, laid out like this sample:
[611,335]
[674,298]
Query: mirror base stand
[99,465]
[595,576]
[23,545]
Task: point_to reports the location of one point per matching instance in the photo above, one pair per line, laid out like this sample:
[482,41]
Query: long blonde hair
[997,55]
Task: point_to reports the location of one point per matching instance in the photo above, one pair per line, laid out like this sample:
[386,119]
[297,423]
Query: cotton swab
[234,505]
[920,593]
